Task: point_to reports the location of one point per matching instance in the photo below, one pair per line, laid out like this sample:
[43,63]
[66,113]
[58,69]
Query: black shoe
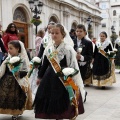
[14,117]
[85,97]
[87,85]
[103,87]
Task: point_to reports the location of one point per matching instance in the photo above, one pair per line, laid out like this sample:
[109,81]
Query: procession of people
[64,64]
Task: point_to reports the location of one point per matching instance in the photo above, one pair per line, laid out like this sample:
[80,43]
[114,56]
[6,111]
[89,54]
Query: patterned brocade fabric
[11,95]
[88,72]
[103,77]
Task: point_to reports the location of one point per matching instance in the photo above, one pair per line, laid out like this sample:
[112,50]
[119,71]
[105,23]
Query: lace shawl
[66,50]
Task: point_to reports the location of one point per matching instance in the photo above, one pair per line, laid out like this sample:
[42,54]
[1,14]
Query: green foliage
[36,22]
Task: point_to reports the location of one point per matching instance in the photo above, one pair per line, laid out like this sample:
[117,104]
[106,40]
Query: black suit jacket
[87,53]
[87,49]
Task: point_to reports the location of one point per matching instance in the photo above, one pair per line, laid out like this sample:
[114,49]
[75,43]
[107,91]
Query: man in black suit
[84,51]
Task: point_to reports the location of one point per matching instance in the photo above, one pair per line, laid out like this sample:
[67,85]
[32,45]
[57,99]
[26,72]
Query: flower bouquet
[68,73]
[111,54]
[79,50]
[35,62]
[14,63]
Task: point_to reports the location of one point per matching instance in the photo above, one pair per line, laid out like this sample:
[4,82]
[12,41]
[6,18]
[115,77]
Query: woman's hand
[38,81]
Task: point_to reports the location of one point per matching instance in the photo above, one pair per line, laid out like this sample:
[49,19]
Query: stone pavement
[100,105]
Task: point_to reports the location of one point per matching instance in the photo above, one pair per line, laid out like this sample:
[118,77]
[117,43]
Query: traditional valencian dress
[102,66]
[33,78]
[45,41]
[15,94]
[52,98]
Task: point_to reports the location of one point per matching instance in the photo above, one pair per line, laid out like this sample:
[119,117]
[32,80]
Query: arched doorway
[20,20]
[74,25]
[54,19]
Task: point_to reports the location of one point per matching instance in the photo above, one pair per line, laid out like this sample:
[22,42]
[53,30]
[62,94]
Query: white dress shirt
[81,63]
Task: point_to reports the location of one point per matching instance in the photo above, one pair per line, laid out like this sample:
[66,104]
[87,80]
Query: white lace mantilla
[46,40]
[66,50]
[103,45]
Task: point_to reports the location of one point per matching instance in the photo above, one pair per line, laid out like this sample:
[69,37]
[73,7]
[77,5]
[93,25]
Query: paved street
[100,105]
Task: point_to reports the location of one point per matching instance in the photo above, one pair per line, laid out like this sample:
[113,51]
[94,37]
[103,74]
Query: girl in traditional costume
[53,99]
[46,39]
[15,95]
[44,42]
[102,65]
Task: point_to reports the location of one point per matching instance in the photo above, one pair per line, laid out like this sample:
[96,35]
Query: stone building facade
[68,12]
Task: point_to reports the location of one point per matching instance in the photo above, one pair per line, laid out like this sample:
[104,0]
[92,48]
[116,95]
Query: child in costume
[15,93]
[52,100]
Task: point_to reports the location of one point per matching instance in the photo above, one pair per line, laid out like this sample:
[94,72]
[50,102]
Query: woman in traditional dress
[46,39]
[33,77]
[102,75]
[52,98]
[15,93]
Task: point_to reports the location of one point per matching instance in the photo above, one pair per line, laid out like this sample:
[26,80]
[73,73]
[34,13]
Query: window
[114,12]
[19,15]
[103,24]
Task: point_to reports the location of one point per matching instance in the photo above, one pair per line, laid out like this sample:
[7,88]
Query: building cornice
[115,5]
[75,4]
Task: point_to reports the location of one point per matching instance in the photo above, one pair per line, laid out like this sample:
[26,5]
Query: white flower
[14,59]
[108,52]
[115,50]
[68,71]
[36,59]
[79,50]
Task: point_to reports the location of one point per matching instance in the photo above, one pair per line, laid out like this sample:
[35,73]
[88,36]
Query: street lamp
[89,20]
[113,36]
[112,29]
[36,8]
